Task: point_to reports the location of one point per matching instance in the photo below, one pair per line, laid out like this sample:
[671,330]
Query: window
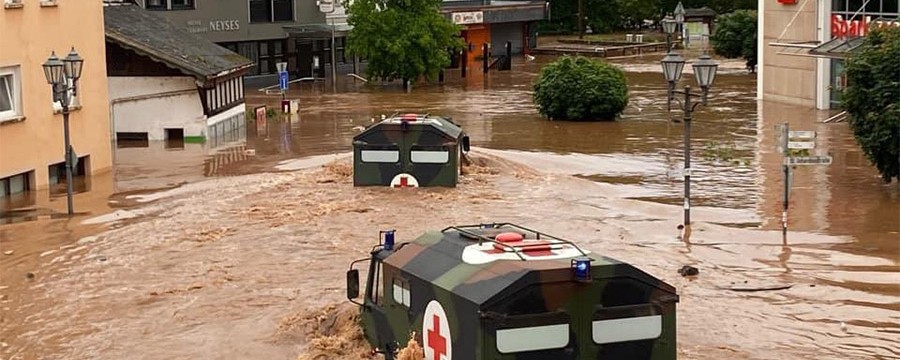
[432,155]
[532,338]
[380,156]
[615,324]
[73,99]
[58,174]
[15,184]
[271,10]
[377,291]
[401,292]
[170,4]
[10,94]
[626,329]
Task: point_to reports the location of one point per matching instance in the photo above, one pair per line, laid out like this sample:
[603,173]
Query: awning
[838,48]
[317,31]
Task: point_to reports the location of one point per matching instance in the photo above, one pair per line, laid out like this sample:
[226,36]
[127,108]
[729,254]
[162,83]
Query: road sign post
[785,144]
[786,141]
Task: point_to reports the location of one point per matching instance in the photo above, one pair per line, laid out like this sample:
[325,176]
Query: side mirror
[352,284]
[465,144]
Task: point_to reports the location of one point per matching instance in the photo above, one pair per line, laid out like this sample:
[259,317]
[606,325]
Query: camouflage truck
[502,291]
[409,150]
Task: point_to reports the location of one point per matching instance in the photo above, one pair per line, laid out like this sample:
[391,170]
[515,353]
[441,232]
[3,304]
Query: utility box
[409,150]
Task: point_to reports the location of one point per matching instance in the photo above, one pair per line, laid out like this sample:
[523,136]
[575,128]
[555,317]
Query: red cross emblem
[436,335]
[436,342]
[404,182]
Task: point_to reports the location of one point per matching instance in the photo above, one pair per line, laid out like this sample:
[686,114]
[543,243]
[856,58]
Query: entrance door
[838,82]
[304,58]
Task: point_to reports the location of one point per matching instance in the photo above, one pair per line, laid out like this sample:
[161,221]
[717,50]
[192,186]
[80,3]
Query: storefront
[495,23]
[808,42]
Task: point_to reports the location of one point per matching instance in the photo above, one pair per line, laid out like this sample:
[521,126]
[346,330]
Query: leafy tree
[633,12]
[872,98]
[401,39]
[581,89]
[735,36]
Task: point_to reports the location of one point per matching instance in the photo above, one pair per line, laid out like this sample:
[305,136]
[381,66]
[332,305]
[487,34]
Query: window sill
[12,120]
[48,3]
[57,111]
[13,5]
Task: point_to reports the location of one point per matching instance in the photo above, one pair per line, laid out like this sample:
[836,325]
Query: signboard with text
[471,17]
[842,27]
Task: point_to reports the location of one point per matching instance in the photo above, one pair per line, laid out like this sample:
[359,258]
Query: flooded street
[227,250]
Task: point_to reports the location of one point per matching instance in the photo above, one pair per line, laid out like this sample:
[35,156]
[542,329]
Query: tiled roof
[151,35]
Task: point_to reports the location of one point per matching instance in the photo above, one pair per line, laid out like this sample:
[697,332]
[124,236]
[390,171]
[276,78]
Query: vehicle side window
[626,323]
[380,154]
[429,154]
[378,289]
[401,292]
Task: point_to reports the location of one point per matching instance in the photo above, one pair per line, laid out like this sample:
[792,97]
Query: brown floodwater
[70,290]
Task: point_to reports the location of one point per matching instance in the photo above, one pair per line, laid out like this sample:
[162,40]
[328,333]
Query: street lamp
[63,77]
[669,26]
[704,73]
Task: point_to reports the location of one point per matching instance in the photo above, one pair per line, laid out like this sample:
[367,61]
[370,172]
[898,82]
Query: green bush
[581,89]
[872,98]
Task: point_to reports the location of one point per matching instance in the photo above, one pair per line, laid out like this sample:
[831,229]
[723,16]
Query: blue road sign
[283,80]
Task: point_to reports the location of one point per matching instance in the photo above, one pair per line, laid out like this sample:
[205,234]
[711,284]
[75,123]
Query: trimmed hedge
[578,88]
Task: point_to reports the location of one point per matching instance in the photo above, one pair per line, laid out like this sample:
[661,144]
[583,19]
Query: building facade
[802,46]
[168,84]
[255,29]
[31,128]
[301,32]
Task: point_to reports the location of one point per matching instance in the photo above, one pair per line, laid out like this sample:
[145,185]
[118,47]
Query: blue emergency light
[387,239]
[581,266]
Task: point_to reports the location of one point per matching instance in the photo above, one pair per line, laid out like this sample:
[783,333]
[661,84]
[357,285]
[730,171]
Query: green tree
[633,12]
[581,89]
[872,99]
[735,36]
[401,39]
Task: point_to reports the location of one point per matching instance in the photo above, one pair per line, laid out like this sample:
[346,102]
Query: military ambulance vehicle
[502,291]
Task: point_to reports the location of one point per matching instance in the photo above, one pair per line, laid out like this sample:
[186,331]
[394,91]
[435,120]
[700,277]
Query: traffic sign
[802,134]
[283,80]
[801,145]
[808,160]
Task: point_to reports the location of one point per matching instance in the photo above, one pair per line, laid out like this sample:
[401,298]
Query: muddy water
[166,285]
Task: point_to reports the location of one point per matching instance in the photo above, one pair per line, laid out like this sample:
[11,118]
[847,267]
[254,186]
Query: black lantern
[54,70]
[669,25]
[73,65]
[705,71]
[672,66]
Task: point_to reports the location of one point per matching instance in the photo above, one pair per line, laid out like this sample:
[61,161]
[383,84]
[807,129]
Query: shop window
[170,4]
[10,90]
[15,184]
[271,10]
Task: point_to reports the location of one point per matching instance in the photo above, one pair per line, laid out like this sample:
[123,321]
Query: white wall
[152,104]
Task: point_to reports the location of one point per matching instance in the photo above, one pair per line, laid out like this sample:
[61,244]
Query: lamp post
[669,25]
[63,75]
[705,74]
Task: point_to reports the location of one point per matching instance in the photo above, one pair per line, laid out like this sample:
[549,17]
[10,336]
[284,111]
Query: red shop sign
[857,27]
